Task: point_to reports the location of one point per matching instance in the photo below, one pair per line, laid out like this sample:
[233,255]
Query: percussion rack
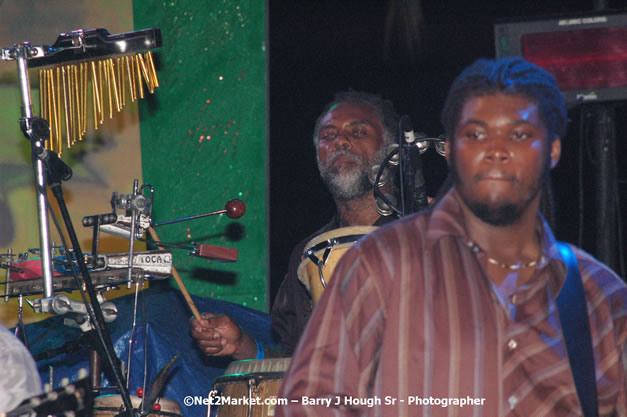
[81,46]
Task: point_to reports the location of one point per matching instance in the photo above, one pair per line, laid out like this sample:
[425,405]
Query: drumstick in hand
[177,277]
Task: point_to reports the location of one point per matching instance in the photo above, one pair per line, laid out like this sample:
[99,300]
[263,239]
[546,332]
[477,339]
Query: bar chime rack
[90,71]
[82,68]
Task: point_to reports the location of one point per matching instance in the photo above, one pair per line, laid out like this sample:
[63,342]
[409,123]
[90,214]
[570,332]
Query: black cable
[590,152]
[619,227]
[44,333]
[401,168]
[84,340]
[580,160]
[145,327]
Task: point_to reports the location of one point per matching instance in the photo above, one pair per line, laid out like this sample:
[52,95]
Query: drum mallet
[234,209]
[177,277]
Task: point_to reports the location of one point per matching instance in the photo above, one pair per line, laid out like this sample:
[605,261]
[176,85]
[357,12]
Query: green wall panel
[203,138]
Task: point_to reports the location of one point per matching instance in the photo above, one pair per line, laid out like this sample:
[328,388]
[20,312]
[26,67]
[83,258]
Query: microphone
[415,193]
[56,167]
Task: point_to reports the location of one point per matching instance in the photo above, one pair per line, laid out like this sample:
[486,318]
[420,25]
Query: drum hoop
[166,413]
[258,377]
[328,246]
[334,242]
[319,249]
[257,366]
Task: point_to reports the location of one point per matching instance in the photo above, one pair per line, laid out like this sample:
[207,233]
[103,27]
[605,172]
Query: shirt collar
[446,220]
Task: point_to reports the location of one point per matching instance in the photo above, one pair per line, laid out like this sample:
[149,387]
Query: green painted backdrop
[203,138]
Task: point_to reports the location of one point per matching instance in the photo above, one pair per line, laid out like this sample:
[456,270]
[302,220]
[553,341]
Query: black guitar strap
[571,303]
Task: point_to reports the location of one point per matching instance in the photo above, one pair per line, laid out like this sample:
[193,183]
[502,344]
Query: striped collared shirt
[411,325]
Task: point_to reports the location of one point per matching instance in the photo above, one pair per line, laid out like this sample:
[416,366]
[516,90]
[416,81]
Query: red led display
[580,59]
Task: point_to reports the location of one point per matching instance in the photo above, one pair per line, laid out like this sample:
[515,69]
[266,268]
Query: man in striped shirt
[452,311]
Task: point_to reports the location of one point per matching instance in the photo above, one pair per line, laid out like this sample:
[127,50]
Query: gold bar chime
[64,93]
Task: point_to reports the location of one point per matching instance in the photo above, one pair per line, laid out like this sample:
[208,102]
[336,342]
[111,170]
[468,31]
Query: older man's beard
[352,182]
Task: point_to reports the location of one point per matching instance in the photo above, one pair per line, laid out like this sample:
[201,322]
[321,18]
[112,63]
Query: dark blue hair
[511,76]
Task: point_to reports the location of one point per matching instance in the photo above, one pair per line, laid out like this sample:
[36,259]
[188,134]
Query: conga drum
[249,388]
[111,405]
[322,254]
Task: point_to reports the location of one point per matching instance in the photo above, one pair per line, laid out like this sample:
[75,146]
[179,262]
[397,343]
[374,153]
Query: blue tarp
[168,333]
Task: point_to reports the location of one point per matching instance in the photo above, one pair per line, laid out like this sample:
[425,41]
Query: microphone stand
[410,166]
[93,308]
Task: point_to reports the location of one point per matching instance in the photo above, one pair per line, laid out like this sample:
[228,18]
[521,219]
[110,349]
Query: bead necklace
[475,248]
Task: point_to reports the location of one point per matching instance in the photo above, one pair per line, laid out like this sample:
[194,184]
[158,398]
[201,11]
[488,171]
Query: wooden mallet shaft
[177,277]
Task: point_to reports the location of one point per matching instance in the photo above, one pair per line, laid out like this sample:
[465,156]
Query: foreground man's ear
[447,150]
[556,151]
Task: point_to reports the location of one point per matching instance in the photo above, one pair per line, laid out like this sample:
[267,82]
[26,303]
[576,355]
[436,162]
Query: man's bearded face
[350,141]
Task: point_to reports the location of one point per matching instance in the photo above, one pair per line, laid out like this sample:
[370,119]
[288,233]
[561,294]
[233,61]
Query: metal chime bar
[91,72]
[70,93]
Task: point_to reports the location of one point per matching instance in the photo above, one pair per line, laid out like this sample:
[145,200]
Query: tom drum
[322,254]
[248,388]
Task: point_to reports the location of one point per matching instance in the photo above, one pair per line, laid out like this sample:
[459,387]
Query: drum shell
[264,378]
[308,272]
[110,405]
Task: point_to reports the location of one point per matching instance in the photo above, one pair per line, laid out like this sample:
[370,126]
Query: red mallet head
[235,208]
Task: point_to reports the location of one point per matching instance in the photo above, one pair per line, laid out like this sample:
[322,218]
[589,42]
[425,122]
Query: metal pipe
[21,55]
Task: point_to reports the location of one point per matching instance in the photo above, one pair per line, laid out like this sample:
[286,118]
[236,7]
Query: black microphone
[420,190]
[413,177]
[56,167]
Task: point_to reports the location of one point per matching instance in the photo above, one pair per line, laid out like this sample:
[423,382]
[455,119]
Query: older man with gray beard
[349,137]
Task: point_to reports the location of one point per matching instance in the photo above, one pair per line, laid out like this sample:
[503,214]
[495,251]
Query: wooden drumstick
[177,277]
